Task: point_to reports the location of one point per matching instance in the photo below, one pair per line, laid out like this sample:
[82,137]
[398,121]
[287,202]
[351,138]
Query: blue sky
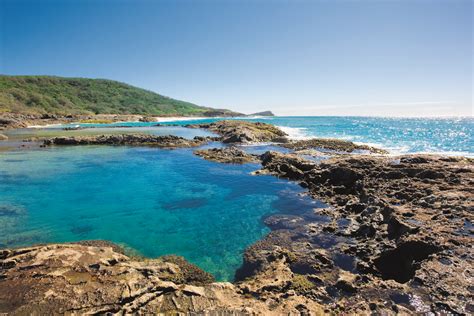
[398,58]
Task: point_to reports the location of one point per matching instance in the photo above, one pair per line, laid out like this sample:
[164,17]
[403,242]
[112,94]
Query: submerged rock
[233,131]
[169,141]
[3,137]
[226,155]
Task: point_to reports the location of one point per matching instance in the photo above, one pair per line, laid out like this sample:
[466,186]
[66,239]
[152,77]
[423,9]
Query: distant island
[38,95]
[264,113]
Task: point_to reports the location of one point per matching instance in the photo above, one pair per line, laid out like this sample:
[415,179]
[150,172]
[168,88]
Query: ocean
[448,136]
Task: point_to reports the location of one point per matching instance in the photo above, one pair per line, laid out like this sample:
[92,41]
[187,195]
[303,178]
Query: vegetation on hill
[64,96]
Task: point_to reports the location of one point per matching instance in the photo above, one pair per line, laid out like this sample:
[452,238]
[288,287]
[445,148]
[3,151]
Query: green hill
[63,96]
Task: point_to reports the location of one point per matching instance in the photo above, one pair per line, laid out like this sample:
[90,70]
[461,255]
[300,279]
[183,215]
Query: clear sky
[403,58]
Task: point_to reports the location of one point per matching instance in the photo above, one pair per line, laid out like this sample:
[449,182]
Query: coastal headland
[394,236]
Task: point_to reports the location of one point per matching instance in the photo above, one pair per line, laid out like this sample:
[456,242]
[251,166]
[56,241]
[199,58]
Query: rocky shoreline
[168,141]
[397,234]
[392,235]
[244,132]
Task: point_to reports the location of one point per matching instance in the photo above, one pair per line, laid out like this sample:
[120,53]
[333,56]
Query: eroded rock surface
[233,131]
[92,278]
[226,155]
[397,234]
[168,141]
[331,144]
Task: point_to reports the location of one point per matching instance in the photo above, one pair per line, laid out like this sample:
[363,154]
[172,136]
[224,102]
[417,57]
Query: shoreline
[23,122]
[399,229]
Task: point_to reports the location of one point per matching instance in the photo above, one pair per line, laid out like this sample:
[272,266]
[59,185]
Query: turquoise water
[153,200]
[452,136]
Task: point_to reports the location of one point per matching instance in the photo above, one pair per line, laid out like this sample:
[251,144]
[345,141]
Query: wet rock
[234,131]
[331,144]
[169,141]
[226,155]
[3,137]
[400,217]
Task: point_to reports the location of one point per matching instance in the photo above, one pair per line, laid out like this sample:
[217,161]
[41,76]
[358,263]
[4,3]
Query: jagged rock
[226,155]
[169,141]
[233,131]
[331,144]
[96,279]
[402,216]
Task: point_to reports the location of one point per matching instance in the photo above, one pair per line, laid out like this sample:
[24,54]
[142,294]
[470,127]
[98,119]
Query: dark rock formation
[128,139]
[331,144]
[226,155]
[244,132]
[398,236]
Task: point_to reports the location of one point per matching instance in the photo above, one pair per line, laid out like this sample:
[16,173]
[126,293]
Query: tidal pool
[155,201]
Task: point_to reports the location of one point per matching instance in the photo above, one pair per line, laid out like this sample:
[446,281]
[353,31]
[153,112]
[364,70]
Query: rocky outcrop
[128,139]
[3,137]
[95,278]
[395,235]
[331,144]
[10,121]
[226,155]
[234,131]
[263,113]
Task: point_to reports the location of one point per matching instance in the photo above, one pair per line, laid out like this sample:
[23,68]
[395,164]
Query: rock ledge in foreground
[96,279]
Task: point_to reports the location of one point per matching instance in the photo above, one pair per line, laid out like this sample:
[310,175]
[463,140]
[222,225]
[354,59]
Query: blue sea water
[451,136]
[158,201]
[154,201]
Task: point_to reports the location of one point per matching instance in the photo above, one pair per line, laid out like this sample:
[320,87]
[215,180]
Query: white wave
[45,126]
[257,144]
[297,133]
[260,117]
[407,150]
[447,153]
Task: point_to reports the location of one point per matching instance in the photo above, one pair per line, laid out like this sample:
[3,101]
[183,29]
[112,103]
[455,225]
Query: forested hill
[64,96]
